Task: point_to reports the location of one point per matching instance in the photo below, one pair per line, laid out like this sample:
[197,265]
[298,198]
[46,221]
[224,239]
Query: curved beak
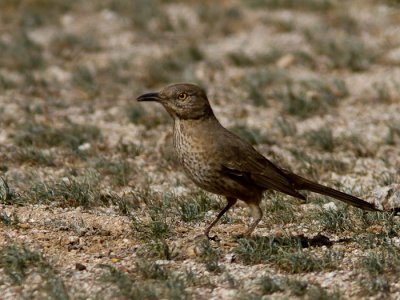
[149,97]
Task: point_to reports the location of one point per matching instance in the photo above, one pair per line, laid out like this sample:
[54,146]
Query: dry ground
[93,202]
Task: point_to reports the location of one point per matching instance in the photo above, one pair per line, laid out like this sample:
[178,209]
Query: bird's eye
[182,96]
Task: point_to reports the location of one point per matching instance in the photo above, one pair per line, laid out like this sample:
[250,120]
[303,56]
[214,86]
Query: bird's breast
[193,152]
[197,152]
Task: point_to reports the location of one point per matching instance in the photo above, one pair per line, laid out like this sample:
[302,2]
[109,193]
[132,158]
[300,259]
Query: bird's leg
[231,202]
[256,213]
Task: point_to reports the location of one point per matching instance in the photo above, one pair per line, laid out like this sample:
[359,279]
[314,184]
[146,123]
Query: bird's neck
[205,124]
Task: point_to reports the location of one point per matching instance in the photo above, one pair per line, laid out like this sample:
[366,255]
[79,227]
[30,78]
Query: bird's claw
[214,238]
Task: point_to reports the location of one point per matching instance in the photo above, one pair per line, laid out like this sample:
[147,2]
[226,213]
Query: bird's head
[182,101]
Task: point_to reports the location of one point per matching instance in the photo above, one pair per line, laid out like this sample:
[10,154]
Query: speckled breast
[195,160]
[201,166]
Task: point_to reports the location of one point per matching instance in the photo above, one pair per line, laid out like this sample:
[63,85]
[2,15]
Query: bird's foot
[244,235]
[240,236]
[214,238]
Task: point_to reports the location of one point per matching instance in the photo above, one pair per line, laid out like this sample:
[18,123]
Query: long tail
[305,184]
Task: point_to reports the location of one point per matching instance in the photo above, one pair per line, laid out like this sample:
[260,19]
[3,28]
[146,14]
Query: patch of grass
[261,250]
[156,282]
[7,196]
[387,178]
[136,114]
[66,192]
[314,166]
[21,53]
[43,135]
[256,95]
[158,221]
[126,204]
[305,59]
[299,262]
[35,157]
[69,45]
[379,263]
[209,256]
[158,249]
[286,253]
[269,286]
[118,170]
[129,149]
[172,66]
[175,289]
[151,270]
[342,20]
[157,227]
[387,222]
[321,138]
[144,16]
[312,5]
[84,78]
[257,83]
[307,98]
[150,119]
[279,209]
[334,220]
[376,284]
[154,228]
[6,83]
[194,207]
[286,127]
[318,293]
[18,262]
[9,219]
[393,135]
[37,13]
[357,145]
[241,59]
[264,77]
[382,91]
[374,263]
[343,51]
[218,18]
[124,286]
[252,135]
[297,287]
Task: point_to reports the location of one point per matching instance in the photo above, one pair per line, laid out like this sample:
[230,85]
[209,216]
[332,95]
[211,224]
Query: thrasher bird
[222,163]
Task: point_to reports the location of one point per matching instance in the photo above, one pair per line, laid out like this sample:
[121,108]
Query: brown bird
[222,163]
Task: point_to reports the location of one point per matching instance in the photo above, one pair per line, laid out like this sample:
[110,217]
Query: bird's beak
[149,97]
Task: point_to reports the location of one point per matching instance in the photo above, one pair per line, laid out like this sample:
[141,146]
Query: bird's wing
[245,165]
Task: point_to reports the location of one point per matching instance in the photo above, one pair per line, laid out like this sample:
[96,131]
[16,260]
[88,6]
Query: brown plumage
[222,163]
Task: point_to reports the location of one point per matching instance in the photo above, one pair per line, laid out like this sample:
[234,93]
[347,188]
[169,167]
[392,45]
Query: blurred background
[288,74]
[94,186]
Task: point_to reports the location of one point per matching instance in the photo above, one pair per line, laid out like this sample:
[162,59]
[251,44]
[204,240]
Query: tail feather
[301,183]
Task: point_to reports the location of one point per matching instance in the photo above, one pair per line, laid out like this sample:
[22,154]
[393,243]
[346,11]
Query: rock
[4,190]
[387,197]
[24,226]
[70,240]
[80,267]
[191,252]
[285,61]
[85,147]
[330,206]
[374,229]
[230,257]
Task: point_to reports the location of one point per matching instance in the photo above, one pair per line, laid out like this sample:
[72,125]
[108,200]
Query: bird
[220,162]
